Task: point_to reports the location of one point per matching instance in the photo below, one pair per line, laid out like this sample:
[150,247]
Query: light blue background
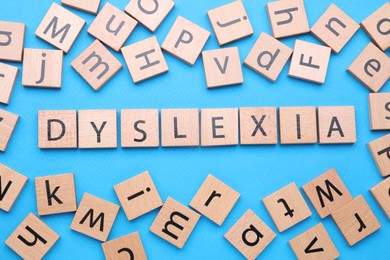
[254,171]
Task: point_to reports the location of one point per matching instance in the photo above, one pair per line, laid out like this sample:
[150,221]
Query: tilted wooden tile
[96,65]
[309,61]
[268,56]
[32,239]
[97,129]
[375,26]
[222,67]
[214,199]
[140,128]
[174,223]
[356,220]
[89,6]
[334,28]
[55,194]
[42,68]
[315,244]
[327,193]
[380,151]
[60,27]
[57,129]
[11,40]
[144,59]
[379,107]
[149,13]
[336,125]
[125,247]
[250,235]
[138,195]
[258,125]
[8,123]
[112,26]
[11,184]
[180,127]
[185,40]
[381,193]
[371,68]
[230,22]
[94,217]
[8,76]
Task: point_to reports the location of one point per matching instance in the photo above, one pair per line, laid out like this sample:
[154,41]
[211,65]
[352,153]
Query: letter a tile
[125,247]
[381,193]
[8,123]
[11,40]
[380,151]
[11,184]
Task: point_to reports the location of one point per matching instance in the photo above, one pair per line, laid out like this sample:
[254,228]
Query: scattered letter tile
[8,75]
[11,40]
[11,184]
[379,105]
[381,193]
[375,26]
[8,123]
[380,151]
[125,247]
[89,6]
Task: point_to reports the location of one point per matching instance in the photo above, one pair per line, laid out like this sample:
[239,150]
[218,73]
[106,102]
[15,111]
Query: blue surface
[254,171]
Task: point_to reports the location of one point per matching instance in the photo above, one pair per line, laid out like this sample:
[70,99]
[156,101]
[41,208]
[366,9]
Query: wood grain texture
[379,108]
[380,152]
[125,247]
[8,76]
[89,6]
[381,193]
[15,183]
[8,123]
[12,40]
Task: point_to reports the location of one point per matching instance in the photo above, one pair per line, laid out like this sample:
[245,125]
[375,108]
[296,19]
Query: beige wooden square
[138,195]
[140,128]
[60,27]
[144,59]
[250,235]
[356,220]
[125,247]
[379,107]
[380,151]
[112,26]
[327,193]
[185,40]
[32,239]
[381,193]
[11,40]
[214,199]
[8,76]
[371,68]
[222,67]
[94,217]
[268,56]
[174,223]
[97,129]
[96,65]
[89,6]
[375,26]
[8,123]
[12,184]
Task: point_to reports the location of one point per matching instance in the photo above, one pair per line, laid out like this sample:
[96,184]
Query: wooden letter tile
[89,6]
[380,151]
[8,123]
[381,193]
[8,75]
[11,40]
[379,106]
[174,223]
[123,248]
[375,26]
[11,184]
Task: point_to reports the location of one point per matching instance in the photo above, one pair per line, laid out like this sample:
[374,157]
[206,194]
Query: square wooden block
[8,76]
[379,106]
[334,28]
[314,243]
[11,40]
[309,61]
[149,13]
[55,194]
[60,27]
[327,193]
[219,126]
[336,125]
[140,128]
[258,125]
[375,26]
[97,129]
[222,67]
[8,123]
[42,68]
[112,26]
[215,199]
[125,247]
[144,59]
[287,207]
[250,235]
[268,56]
[138,195]
[57,129]
[12,184]
[230,22]
[32,239]
[356,220]
[180,127]
[381,193]
[96,65]
[174,223]
[287,18]
[89,6]
[298,125]
[371,68]
[94,217]
[185,40]
[380,151]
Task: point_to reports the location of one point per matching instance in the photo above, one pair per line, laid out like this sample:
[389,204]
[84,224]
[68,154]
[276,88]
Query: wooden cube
[32,239]
[174,223]
[230,22]
[375,26]
[89,6]
[327,193]
[268,56]
[94,217]
[185,40]
[381,193]
[125,247]
[8,75]
[138,195]
[250,235]
[356,220]
[380,151]
[12,184]
[222,67]
[60,27]
[8,123]
[379,107]
[12,40]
